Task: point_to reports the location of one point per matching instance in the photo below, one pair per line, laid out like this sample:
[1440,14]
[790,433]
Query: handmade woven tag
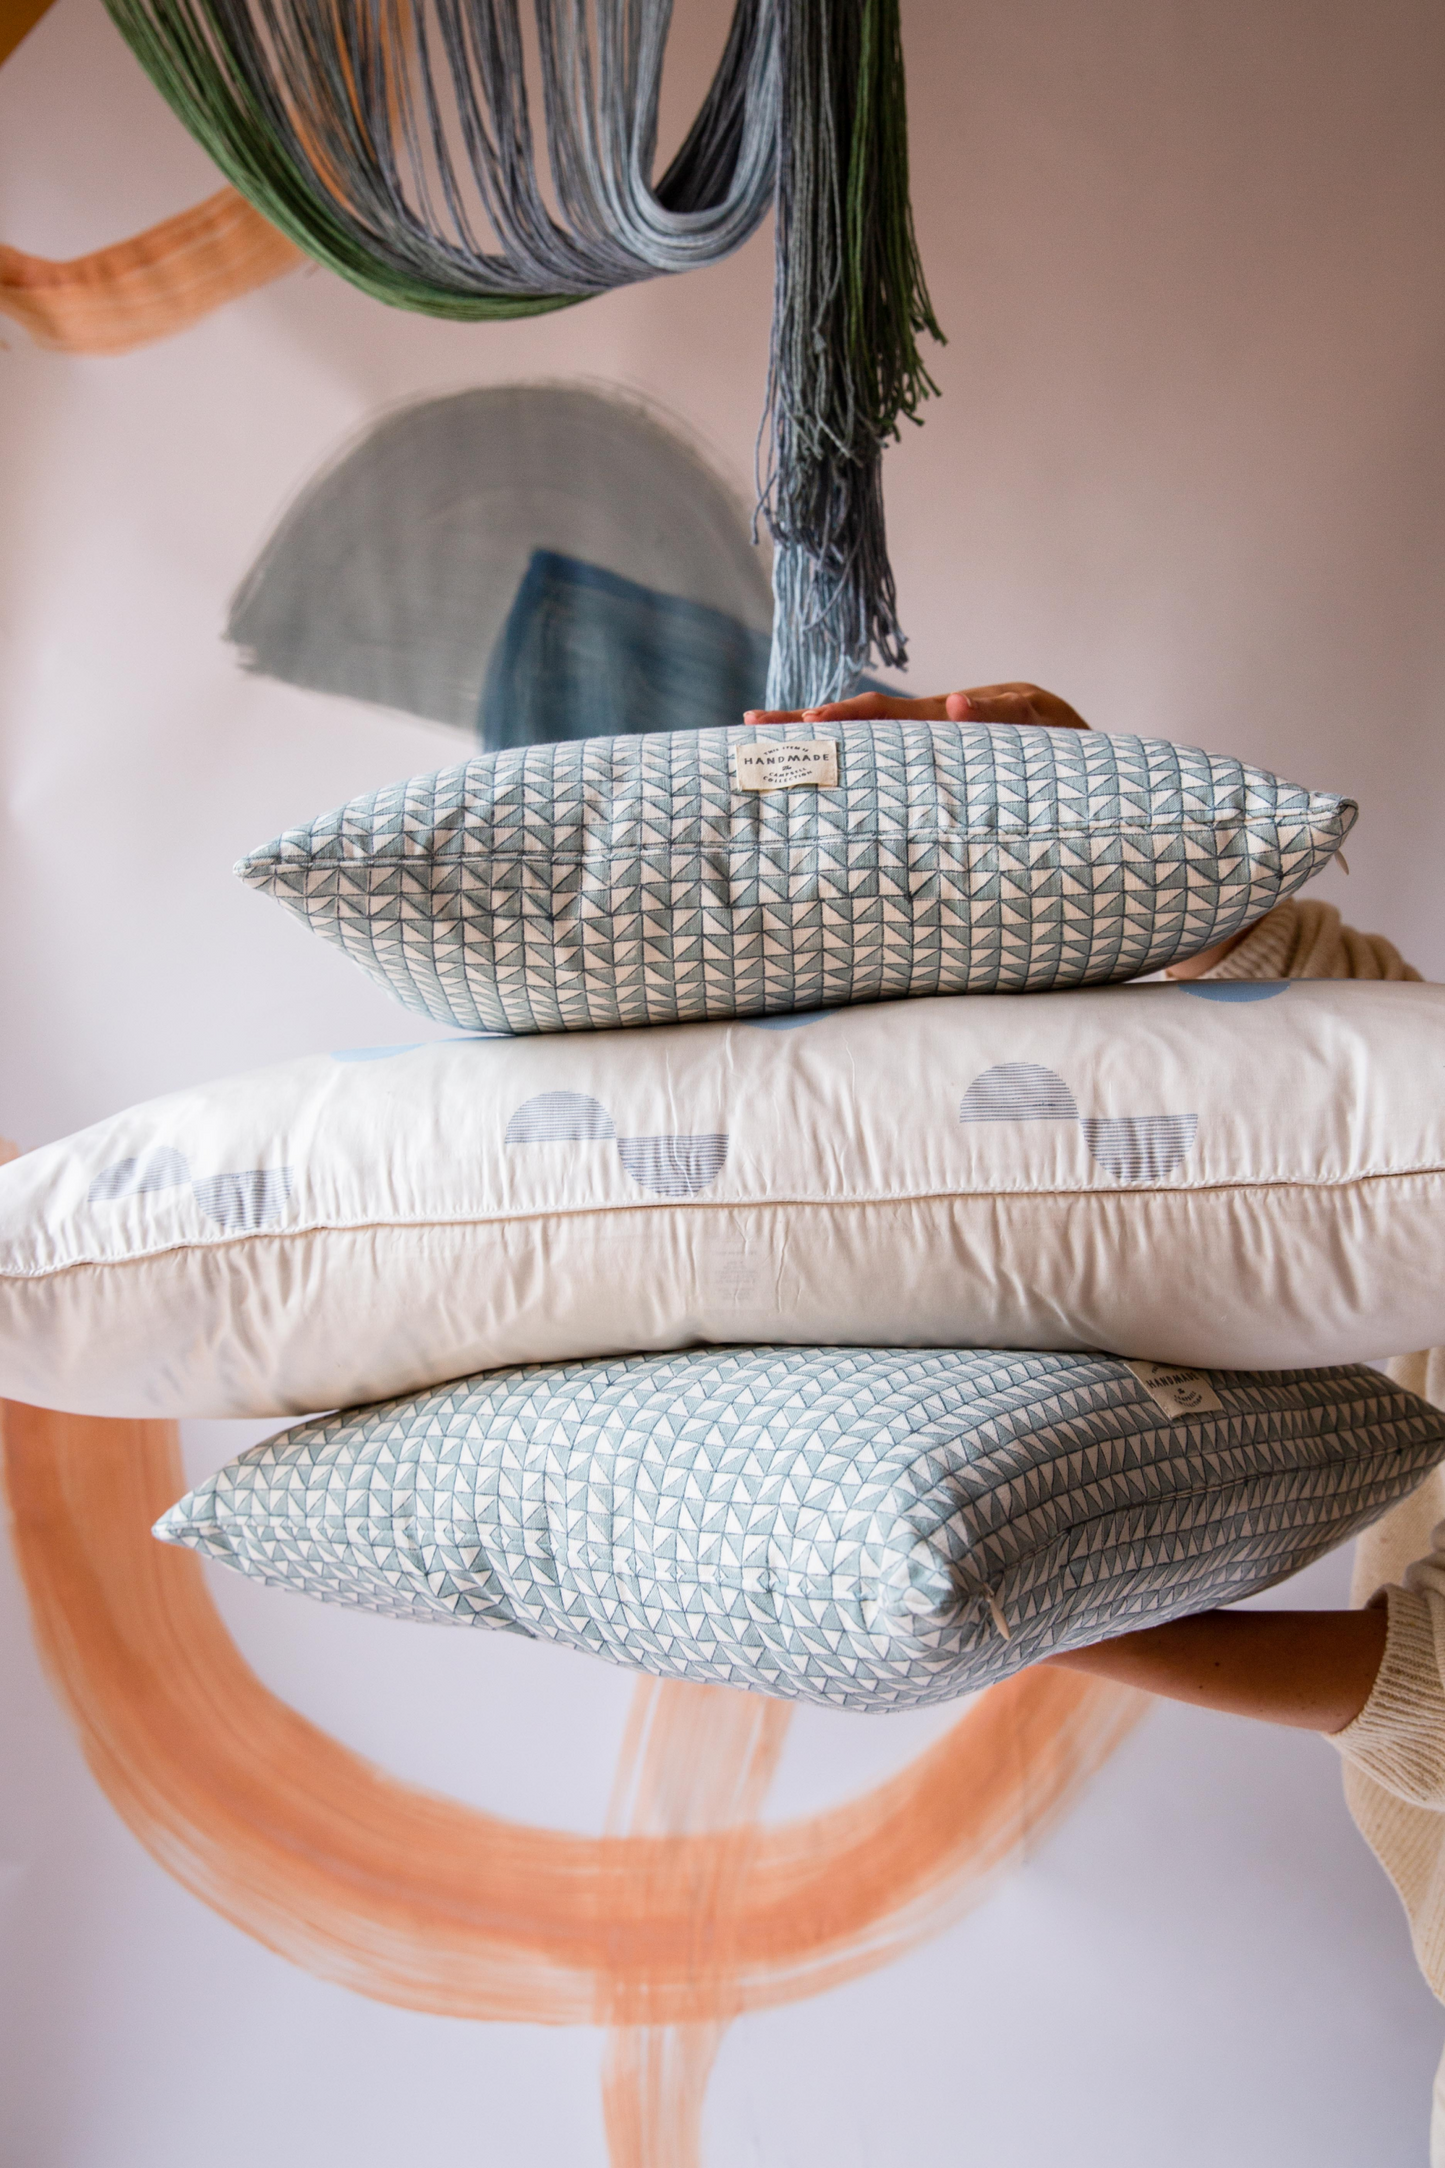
[764,765]
[1178,1392]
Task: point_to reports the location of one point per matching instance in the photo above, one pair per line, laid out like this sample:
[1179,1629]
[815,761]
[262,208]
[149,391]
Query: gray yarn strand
[600,120]
[849,301]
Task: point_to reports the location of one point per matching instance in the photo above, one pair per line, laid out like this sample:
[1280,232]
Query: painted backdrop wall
[1187,469]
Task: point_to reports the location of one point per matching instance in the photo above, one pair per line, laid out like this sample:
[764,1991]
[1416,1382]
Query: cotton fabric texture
[628,880]
[1226,1176]
[866,1528]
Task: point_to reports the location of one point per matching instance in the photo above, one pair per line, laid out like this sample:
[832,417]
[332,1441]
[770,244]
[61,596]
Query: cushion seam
[1296,1184]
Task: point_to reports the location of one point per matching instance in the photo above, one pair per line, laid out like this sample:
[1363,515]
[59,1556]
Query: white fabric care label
[1178,1392]
[786,763]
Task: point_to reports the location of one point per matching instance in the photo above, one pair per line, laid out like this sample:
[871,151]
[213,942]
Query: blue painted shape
[586,653]
[1234,989]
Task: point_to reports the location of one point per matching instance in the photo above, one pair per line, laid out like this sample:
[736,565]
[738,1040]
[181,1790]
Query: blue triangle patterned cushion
[630,880]
[869,1528]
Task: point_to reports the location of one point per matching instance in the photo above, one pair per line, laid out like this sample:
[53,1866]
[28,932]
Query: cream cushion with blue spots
[1244,1176]
[871,1528]
[630,880]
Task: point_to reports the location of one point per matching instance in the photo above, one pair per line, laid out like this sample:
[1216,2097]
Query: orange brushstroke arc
[693,1758]
[150,287]
[17,19]
[421,1902]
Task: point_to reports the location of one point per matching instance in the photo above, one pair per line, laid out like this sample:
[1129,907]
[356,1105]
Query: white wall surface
[1187,470]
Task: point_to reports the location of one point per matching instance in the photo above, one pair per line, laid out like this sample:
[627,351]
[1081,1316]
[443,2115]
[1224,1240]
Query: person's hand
[1012,703]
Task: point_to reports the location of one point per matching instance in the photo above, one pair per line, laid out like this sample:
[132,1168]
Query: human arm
[1311,1669]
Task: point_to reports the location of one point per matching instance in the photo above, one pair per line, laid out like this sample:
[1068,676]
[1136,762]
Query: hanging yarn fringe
[392,141]
[849,302]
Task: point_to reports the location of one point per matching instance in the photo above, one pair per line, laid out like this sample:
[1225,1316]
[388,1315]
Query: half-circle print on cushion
[239,1202]
[674,1166]
[1018,1091]
[1139,1147]
[163,1169]
[561,1118]
[1237,989]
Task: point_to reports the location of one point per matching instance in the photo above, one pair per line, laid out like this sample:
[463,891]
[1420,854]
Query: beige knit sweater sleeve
[1398,1738]
[1394,1751]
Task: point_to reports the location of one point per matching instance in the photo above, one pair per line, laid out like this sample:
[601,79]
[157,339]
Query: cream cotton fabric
[1394,1751]
[1006,1172]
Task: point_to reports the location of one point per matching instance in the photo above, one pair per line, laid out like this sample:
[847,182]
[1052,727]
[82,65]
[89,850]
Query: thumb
[990,708]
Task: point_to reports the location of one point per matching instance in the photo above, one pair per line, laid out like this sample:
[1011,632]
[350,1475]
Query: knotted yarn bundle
[393,141]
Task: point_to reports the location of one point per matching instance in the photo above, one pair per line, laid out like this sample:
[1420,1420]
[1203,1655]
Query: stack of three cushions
[861,1524]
